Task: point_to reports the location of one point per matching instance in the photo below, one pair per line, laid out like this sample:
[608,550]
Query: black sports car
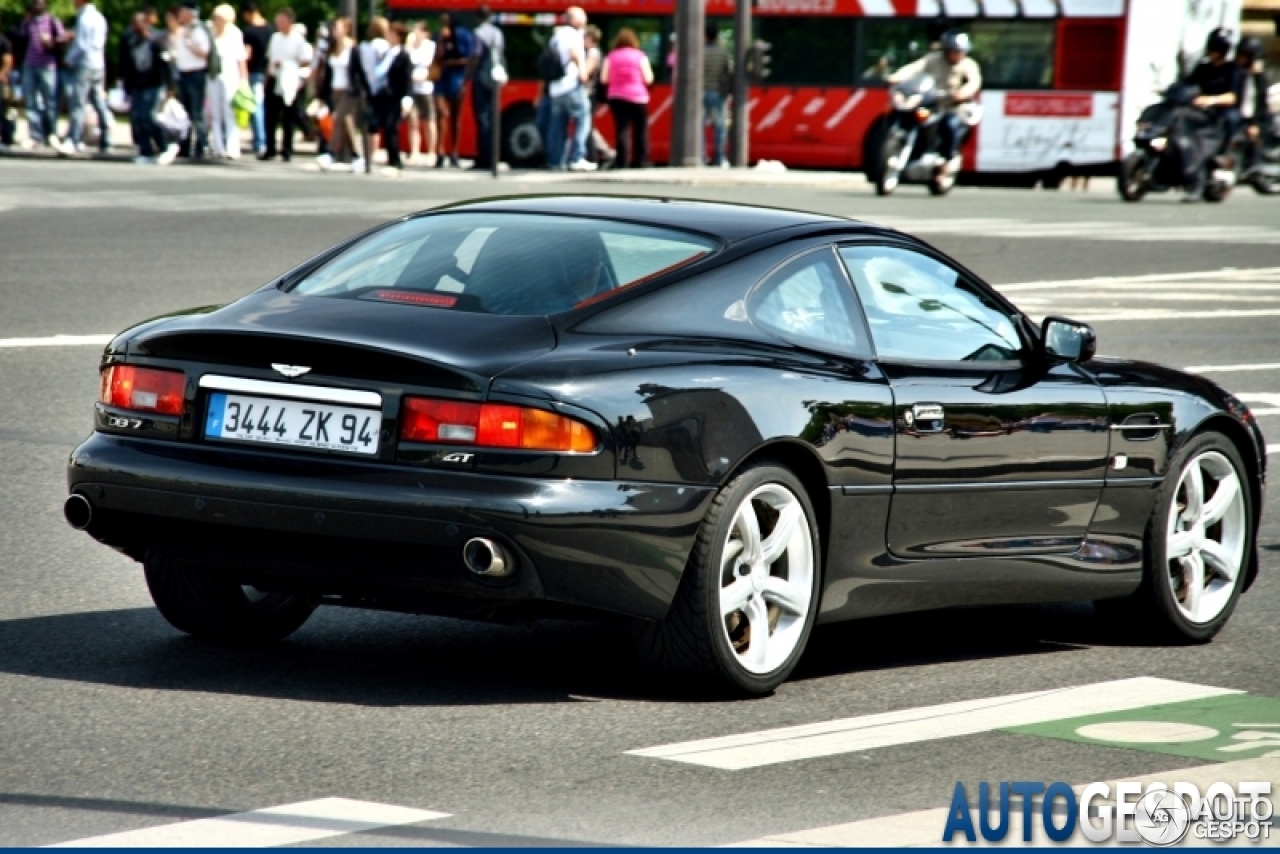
[727,423]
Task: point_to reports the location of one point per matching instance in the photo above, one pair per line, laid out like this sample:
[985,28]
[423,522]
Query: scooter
[1179,146]
[909,151]
[1264,173]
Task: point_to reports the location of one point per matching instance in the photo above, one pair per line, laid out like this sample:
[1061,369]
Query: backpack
[490,60]
[550,65]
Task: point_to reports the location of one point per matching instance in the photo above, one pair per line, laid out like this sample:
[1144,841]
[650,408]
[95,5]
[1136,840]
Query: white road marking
[290,824]
[58,341]
[1261,366]
[1103,313]
[948,720]
[924,827]
[1273,449]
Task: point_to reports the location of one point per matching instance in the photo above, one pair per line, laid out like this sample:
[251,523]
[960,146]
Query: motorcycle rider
[951,67]
[1220,83]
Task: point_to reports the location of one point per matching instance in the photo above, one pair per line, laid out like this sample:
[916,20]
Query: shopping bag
[243,100]
[173,119]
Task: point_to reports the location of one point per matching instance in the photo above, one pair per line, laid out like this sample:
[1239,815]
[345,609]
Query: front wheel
[199,601]
[1133,180]
[1216,191]
[749,595]
[893,155]
[1198,543]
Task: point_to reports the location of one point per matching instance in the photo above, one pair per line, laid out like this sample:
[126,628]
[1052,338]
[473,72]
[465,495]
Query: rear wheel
[521,142]
[749,595]
[1198,543]
[1133,179]
[198,601]
[1216,191]
[942,182]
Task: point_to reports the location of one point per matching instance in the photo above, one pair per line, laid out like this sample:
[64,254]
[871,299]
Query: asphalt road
[112,721]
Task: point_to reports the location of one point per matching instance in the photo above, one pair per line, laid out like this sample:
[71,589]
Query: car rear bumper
[390,535]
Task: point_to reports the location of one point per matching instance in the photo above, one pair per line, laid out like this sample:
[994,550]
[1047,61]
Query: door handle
[925,418]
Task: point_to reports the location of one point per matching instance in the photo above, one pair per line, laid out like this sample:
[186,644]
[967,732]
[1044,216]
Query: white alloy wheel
[1207,537]
[766,578]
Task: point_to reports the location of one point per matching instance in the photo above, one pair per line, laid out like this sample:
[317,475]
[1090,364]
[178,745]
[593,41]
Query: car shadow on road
[375,659]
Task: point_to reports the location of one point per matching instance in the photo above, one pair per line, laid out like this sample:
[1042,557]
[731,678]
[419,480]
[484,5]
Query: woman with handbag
[224,133]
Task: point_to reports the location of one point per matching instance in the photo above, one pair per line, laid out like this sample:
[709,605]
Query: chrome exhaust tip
[485,557]
[78,511]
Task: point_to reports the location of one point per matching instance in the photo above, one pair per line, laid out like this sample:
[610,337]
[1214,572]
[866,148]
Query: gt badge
[457,458]
[290,371]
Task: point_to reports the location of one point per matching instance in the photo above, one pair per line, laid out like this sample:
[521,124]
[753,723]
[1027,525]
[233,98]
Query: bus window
[889,45]
[809,51]
[523,45]
[1014,54]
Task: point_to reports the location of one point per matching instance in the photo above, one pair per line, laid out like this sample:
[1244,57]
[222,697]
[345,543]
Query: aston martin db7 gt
[724,424]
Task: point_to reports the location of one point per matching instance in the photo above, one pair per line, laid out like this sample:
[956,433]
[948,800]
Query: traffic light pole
[741,121]
[686,115]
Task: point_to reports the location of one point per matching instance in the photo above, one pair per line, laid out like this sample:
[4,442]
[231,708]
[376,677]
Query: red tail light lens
[493,425]
[143,389]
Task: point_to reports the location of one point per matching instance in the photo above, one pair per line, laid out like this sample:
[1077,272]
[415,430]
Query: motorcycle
[909,151]
[1178,145]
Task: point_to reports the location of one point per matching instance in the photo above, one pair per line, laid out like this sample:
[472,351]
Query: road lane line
[290,824]
[1261,366]
[58,341]
[1217,277]
[924,827]
[1273,449]
[927,723]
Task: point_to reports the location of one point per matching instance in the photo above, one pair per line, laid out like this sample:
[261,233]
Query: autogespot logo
[1156,814]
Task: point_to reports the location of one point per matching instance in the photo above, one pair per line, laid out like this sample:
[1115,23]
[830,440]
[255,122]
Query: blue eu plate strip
[217,408]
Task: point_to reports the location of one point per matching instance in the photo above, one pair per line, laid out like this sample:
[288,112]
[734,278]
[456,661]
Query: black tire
[888,180]
[196,600]
[690,646]
[1132,180]
[1264,186]
[1216,191]
[872,142]
[521,143]
[941,186]
[1152,613]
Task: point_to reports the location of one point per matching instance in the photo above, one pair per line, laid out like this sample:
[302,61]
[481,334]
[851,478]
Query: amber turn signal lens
[493,425]
[143,389]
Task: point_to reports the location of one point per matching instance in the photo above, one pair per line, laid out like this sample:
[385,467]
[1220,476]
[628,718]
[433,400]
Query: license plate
[294,423]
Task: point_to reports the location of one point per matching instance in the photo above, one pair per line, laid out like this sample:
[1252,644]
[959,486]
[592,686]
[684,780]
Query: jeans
[142,119]
[88,90]
[951,134]
[482,108]
[631,125]
[572,106]
[191,92]
[713,114]
[39,88]
[259,121]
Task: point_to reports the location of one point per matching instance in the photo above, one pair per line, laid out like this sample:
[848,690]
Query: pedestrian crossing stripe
[1218,729]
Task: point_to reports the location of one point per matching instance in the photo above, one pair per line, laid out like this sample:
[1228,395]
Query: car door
[997,451]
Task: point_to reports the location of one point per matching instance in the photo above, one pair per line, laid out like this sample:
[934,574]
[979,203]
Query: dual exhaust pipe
[481,555]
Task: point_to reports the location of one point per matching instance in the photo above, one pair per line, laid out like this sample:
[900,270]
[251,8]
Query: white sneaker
[62,146]
[324,161]
[27,144]
[358,165]
[170,154]
[724,164]
[144,161]
[583,166]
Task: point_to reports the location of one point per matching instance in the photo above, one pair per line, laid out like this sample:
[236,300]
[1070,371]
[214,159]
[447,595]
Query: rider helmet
[1219,41]
[1250,47]
[956,40]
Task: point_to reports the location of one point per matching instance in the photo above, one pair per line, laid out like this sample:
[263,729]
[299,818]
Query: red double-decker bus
[1064,79]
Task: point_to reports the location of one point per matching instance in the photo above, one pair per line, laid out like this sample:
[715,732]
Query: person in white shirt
[422,126]
[288,53]
[192,47]
[569,100]
[344,142]
[224,133]
[366,78]
[87,60]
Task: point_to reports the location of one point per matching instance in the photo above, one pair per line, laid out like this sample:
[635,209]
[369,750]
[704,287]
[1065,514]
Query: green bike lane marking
[1218,729]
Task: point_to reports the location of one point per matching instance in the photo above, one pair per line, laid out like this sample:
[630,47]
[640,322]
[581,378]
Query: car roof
[729,222]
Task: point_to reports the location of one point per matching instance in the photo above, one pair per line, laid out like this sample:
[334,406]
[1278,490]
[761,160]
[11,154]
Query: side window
[920,309]
[808,303]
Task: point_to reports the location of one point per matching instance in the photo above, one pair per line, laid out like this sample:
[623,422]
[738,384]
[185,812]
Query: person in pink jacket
[628,75]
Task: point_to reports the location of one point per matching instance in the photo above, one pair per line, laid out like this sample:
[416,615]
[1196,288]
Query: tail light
[493,425]
[143,389]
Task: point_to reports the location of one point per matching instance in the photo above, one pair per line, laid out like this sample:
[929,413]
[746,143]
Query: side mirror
[1067,340]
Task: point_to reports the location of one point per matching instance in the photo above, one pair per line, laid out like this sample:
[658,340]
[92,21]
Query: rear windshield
[517,264]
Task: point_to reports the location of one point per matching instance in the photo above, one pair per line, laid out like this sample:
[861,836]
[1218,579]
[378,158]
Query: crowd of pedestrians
[191,87]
